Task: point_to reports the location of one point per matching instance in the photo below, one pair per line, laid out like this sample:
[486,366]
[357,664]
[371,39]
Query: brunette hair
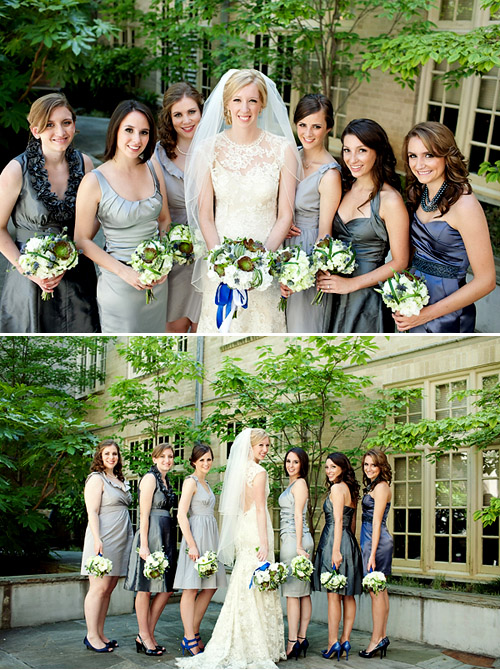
[42,108]
[303,460]
[97,464]
[440,141]
[256,435]
[121,111]
[239,80]
[348,476]
[372,135]
[166,132]
[380,459]
[200,450]
[160,448]
[312,103]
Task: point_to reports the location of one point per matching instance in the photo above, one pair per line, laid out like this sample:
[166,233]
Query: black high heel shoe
[105,649]
[140,646]
[201,646]
[381,646]
[295,650]
[304,645]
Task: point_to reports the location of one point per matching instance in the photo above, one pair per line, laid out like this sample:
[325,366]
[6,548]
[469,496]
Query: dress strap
[333,165]
[153,174]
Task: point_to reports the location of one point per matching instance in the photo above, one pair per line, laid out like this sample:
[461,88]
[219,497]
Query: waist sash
[436,269]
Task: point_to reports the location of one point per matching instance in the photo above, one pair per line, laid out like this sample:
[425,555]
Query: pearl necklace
[432,205]
[184,153]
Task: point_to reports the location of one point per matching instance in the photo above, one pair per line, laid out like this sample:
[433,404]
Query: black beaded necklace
[431,205]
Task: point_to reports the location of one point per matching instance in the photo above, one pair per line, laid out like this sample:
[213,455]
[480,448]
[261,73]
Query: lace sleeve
[253,469]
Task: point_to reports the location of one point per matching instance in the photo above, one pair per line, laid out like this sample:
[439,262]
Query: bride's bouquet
[239,265]
[269,576]
[293,268]
[155,565]
[374,581]
[333,256]
[48,256]
[181,243]
[98,566]
[207,565]
[302,568]
[404,293]
[333,581]
[153,259]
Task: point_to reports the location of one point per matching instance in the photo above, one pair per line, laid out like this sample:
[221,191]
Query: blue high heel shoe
[201,646]
[185,646]
[99,651]
[345,646]
[334,649]
[295,651]
[381,646]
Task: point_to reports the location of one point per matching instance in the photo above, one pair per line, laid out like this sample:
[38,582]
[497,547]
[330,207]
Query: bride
[240,182]
[249,632]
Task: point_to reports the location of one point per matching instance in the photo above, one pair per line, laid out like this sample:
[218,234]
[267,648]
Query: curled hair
[124,108]
[440,141]
[311,104]
[303,460]
[373,136]
[166,132]
[42,108]
[348,476]
[200,450]
[160,448]
[379,459]
[256,435]
[239,80]
[97,464]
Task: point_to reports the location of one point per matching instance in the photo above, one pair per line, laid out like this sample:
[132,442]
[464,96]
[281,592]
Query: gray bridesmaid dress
[351,565]
[125,224]
[383,555]
[183,299]
[301,316]
[115,528]
[206,535]
[293,587]
[363,311]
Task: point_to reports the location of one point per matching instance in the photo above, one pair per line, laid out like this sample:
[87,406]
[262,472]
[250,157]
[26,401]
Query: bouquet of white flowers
[153,260]
[239,265]
[181,243]
[207,564]
[333,256]
[269,576]
[155,565]
[48,256]
[98,565]
[293,268]
[302,568]
[404,293]
[374,581]
[333,581]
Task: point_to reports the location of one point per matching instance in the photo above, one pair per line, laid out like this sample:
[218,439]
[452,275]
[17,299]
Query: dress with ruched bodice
[383,555]
[293,587]
[245,179]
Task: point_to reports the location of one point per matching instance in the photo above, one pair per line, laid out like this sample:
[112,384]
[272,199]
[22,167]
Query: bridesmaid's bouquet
[181,243]
[269,576]
[207,565]
[333,256]
[333,581]
[48,256]
[293,268]
[302,568]
[404,293]
[153,260]
[155,565]
[239,265]
[98,566]
[374,581]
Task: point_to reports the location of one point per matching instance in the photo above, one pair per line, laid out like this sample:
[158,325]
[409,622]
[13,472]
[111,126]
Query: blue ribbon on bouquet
[227,301]
[264,566]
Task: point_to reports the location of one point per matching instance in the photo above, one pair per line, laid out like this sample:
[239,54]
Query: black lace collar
[372,485]
[60,210]
[166,490]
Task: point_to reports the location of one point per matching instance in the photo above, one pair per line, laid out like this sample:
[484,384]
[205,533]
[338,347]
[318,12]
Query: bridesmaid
[316,201]
[376,542]
[177,122]
[296,540]
[156,533]
[109,532]
[339,548]
[448,231]
[372,217]
[199,534]
[38,189]
[127,194]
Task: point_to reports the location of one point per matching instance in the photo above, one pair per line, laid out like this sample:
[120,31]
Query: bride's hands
[263,552]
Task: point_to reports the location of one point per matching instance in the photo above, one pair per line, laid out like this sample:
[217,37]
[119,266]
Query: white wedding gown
[245,179]
[249,632]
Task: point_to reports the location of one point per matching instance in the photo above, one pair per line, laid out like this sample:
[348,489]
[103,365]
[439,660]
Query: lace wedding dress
[249,632]
[245,179]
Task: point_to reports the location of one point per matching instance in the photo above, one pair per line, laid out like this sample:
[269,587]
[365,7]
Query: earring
[227,117]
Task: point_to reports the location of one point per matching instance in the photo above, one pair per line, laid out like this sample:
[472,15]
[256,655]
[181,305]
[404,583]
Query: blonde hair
[41,109]
[239,80]
[257,435]
[160,448]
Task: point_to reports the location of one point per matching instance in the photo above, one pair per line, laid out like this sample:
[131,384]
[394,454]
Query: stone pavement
[60,645]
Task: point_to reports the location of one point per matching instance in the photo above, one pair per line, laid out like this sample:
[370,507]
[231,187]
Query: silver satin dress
[293,587]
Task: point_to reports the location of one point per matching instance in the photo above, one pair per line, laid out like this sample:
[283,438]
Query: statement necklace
[431,205]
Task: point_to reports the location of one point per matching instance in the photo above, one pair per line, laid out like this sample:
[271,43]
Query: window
[450,517]
[443,406]
[92,364]
[408,507]
[490,543]
[456,10]
[412,413]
